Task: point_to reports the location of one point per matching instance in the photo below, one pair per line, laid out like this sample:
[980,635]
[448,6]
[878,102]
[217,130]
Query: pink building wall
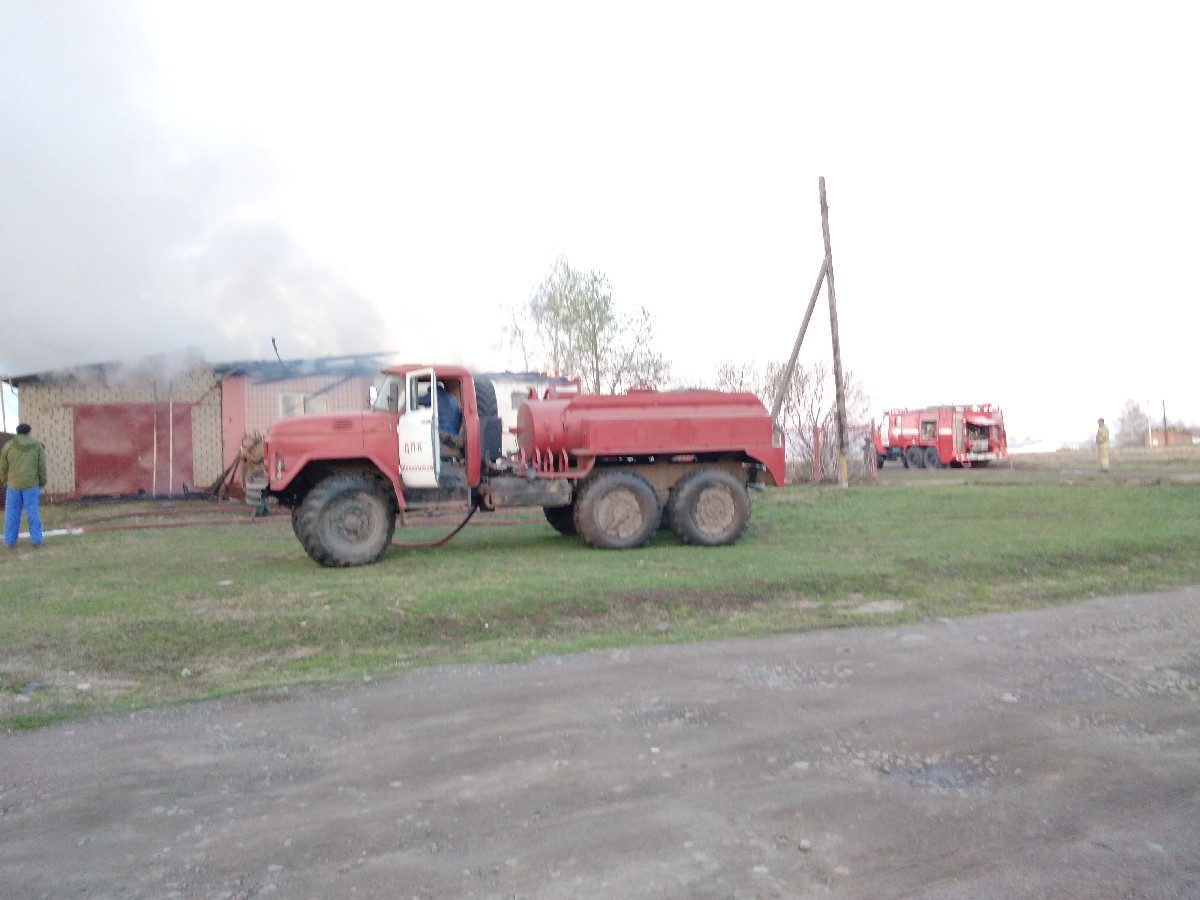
[250,405]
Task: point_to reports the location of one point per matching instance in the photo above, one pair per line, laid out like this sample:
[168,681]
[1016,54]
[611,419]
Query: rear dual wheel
[709,507]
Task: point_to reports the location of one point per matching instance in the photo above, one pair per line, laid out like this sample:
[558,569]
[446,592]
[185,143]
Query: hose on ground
[418,545]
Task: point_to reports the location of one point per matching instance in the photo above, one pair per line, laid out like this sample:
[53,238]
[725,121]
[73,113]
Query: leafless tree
[741,376]
[1132,425]
[809,409]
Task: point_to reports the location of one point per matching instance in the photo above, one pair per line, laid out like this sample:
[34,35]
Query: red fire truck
[611,469]
[962,435]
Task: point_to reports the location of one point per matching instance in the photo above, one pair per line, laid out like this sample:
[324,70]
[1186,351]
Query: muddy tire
[346,520]
[617,510]
[561,519]
[709,507]
[914,457]
[931,458]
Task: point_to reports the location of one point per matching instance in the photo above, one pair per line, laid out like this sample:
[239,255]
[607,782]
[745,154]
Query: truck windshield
[388,394]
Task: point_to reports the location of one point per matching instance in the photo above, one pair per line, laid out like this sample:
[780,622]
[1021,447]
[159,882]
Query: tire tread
[687,491]
[307,521]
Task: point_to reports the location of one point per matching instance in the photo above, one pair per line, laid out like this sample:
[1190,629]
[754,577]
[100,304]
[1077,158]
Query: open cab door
[417,431]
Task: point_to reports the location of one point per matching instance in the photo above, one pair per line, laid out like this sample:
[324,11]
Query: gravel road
[1039,754]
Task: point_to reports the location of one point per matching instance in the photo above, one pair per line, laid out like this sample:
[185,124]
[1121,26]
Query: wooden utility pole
[843,473]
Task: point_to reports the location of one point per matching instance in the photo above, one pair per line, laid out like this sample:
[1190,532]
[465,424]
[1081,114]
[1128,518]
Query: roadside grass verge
[120,619]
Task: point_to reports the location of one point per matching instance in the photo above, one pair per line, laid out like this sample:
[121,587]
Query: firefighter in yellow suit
[1102,444]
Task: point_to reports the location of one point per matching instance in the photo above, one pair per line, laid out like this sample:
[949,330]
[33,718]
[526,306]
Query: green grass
[159,615]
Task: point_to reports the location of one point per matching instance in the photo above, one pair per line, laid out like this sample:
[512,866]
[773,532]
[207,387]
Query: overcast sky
[1013,188]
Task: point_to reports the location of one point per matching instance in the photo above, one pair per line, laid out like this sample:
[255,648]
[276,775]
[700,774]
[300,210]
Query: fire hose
[419,545]
[230,516]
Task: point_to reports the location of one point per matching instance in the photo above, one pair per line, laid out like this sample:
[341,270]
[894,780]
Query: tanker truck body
[612,469]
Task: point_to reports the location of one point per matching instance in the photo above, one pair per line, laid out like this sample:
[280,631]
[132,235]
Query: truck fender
[388,469]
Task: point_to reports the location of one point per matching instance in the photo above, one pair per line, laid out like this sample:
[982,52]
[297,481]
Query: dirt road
[1040,754]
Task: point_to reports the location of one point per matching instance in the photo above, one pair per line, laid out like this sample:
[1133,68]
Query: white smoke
[122,236]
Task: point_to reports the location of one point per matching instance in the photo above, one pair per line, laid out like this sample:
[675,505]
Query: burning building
[158,429]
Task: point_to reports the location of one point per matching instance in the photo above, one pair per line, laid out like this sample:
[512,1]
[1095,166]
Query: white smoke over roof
[121,236]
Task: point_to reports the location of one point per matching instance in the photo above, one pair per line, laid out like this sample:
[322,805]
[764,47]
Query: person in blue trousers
[23,473]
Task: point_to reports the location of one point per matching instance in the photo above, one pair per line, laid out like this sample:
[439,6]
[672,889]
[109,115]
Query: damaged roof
[360,364]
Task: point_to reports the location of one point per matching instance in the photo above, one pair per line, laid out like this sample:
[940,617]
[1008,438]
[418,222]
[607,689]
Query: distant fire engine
[970,435]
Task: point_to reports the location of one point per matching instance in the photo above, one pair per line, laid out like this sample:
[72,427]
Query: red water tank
[541,426]
[647,423]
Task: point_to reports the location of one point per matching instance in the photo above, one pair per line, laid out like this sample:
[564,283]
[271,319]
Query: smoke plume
[122,235]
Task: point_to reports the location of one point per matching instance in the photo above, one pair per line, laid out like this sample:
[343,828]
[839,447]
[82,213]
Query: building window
[293,404]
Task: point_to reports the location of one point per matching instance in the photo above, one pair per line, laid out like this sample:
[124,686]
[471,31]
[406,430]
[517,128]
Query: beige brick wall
[47,405]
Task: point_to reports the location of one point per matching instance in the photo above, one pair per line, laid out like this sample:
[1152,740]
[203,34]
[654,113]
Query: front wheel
[617,510]
[914,457]
[346,520]
[709,507]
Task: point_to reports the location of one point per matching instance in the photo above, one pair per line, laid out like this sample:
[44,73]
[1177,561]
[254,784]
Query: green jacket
[23,463]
